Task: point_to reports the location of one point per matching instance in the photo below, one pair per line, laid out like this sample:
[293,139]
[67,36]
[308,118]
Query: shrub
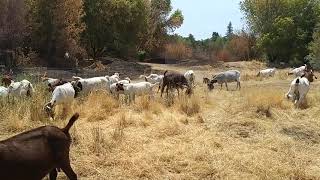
[177,51]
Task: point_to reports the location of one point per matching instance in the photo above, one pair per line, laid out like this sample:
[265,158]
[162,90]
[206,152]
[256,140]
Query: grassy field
[254,133]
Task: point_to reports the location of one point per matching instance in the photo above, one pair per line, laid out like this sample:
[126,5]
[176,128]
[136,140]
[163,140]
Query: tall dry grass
[210,135]
[177,51]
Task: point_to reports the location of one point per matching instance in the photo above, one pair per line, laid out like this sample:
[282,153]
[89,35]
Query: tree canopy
[284,28]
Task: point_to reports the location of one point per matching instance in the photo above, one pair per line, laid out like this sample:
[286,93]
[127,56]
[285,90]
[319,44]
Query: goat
[210,86]
[153,78]
[22,88]
[297,72]
[299,88]
[34,154]
[134,89]
[114,78]
[267,72]
[3,91]
[63,94]
[175,80]
[190,76]
[48,81]
[93,83]
[53,83]
[113,87]
[6,80]
[225,77]
[205,80]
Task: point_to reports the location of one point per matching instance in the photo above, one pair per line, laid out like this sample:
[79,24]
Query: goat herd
[41,151]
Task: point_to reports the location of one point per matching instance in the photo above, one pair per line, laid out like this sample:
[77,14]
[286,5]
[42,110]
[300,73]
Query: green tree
[192,40]
[284,27]
[55,27]
[124,27]
[314,48]
[13,27]
[229,31]
[215,36]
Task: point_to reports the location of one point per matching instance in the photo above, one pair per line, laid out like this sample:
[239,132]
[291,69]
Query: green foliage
[142,55]
[229,30]
[12,23]
[314,47]
[55,27]
[115,27]
[112,26]
[284,27]
[123,27]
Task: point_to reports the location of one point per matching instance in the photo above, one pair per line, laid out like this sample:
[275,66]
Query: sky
[202,17]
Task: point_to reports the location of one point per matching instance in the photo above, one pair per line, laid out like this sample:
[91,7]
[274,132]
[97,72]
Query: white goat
[22,88]
[299,88]
[267,72]
[3,91]
[298,71]
[190,76]
[114,78]
[63,94]
[133,89]
[153,78]
[48,81]
[94,83]
[225,77]
[113,87]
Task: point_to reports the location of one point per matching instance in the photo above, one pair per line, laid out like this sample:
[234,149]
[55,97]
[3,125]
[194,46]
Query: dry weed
[211,135]
[189,105]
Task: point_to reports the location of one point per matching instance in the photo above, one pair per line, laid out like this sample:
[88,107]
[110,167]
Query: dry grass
[254,133]
[189,105]
[177,51]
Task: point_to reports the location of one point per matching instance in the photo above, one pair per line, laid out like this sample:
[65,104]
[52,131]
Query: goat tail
[70,123]
[165,73]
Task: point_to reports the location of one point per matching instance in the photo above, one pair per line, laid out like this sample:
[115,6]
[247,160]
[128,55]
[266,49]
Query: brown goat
[175,80]
[6,81]
[52,86]
[206,80]
[309,75]
[33,154]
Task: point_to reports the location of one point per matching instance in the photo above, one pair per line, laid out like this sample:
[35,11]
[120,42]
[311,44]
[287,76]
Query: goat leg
[53,174]
[66,168]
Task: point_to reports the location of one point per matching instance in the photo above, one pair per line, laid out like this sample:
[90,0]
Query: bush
[142,55]
[177,51]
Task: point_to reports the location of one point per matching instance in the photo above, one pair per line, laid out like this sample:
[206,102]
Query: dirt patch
[302,134]
[124,68]
[130,69]
[242,129]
